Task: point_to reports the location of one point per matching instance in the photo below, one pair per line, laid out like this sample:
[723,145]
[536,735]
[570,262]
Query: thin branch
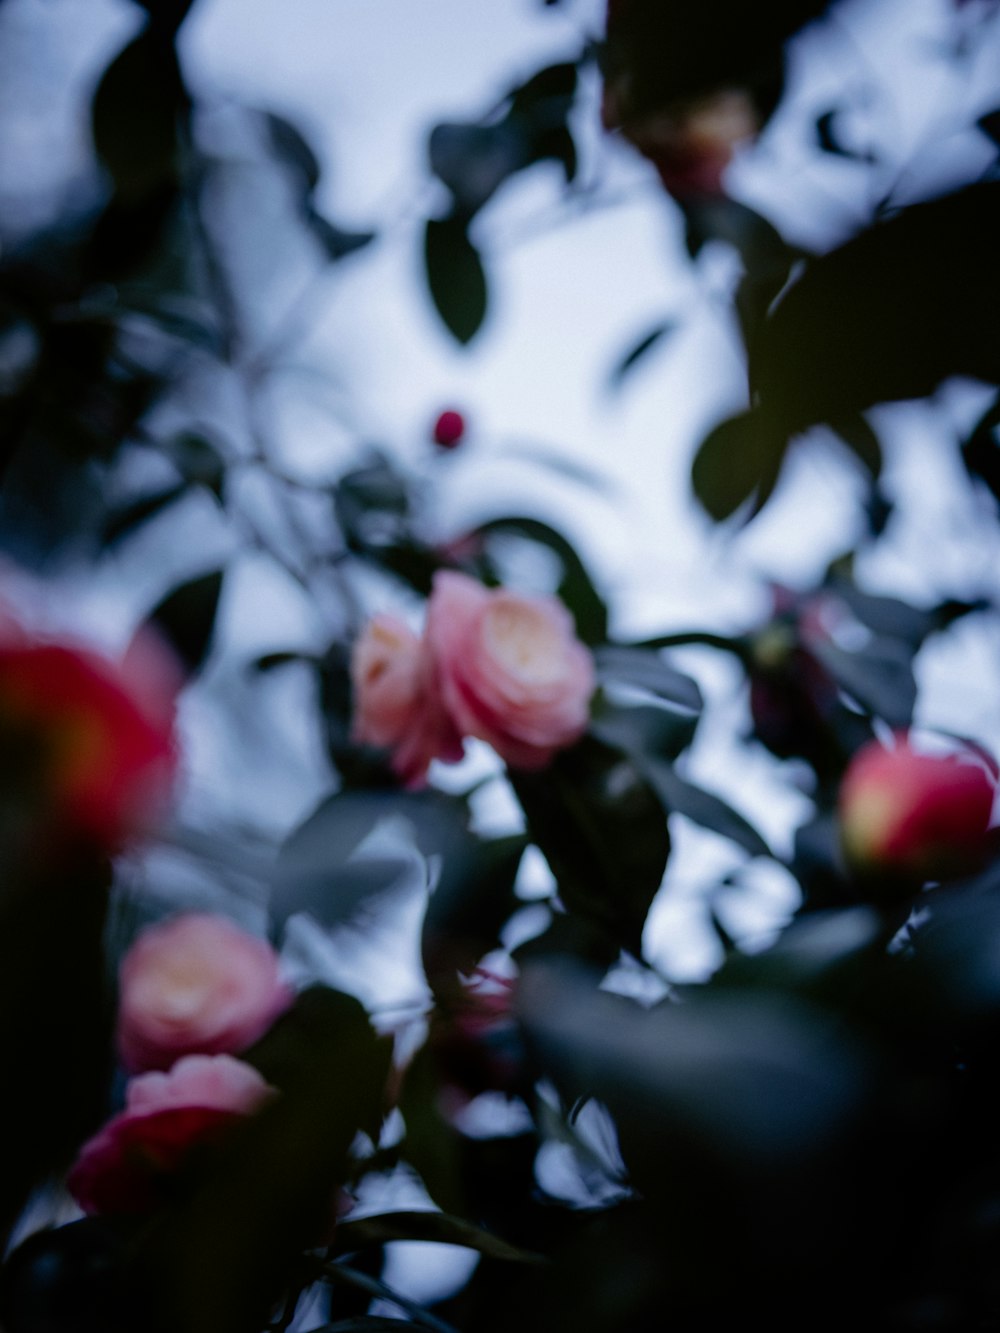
[342,1273]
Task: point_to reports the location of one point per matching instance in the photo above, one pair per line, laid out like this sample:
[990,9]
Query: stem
[374,1287]
[702,638]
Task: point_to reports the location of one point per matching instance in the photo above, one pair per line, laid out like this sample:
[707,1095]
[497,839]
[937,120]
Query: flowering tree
[214,1125]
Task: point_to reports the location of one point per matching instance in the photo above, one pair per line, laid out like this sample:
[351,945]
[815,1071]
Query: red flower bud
[449,429]
[923,816]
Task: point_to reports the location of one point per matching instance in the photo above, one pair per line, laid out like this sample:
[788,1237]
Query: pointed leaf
[456,277]
[648,671]
[737,462]
[602,830]
[703,807]
[638,351]
[186,618]
[576,589]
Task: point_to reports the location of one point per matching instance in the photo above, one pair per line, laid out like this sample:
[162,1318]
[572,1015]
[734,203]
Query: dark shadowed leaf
[455,277]
[758,1078]
[475,160]
[221,1256]
[990,125]
[425,1226]
[645,669]
[271,661]
[702,807]
[645,730]
[315,871]
[981,452]
[121,523]
[136,113]
[638,351]
[289,143]
[576,588]
[473,899]
[862,442]
[829,140]
[880,678]
[336,241]
[876,321]
[737,462]
[603,832]
[186,618]
[55,1018]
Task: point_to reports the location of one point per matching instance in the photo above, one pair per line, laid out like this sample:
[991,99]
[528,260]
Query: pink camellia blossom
[196,983]
[124,1167]
[95,755]
[919,815]
[395,704]
[509,668]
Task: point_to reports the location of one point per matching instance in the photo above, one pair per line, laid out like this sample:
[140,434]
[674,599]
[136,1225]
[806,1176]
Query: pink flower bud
[509,668]
[196,983]
[449,430]
[924,816]
[122,1169]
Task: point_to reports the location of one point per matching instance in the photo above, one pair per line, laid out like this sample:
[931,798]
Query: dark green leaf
[315,872]
[648,671]
[862,441]
[186,618]
[136,113]
[271,661]
[576,588]
[638,351]
[426,1226]
[554,82]
[121,523]
[198,460]
[830,141]
[289,144]
[221,1255]
[760,1079]
[475,160]
[880,678]
[645,730]
[702,807]
[990,125]
[471,902]
[559,146]
[981,452]
[336,241]
[602,830]
[876,321]
[455,277]
[738,461]
[55,1019]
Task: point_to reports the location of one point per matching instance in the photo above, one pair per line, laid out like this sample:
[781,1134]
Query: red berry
[449,429]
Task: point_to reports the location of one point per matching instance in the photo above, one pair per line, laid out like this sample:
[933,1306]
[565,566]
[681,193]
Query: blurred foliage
[805,1137]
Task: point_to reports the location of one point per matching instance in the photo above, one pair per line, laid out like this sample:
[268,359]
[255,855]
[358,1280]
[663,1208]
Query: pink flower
[919,815]
[196,983]
[395,704]
[509,668]
[95,753]
[124,1167]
